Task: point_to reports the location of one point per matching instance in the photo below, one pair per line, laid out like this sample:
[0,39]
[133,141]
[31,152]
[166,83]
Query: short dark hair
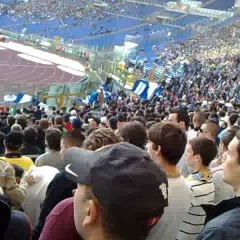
[182,116]
[121,117]
[22,122]
[170,138]
[11,120]
[205,147]
[74,138]
[140,119]
[53,138]
[233,118]
[113,122]
[228,136]
[30,135]
[128,228]
[133,132]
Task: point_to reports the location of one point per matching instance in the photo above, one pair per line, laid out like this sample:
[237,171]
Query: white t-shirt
[179,202]
[37,192]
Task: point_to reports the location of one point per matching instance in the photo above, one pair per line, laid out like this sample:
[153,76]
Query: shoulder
[26,158]
[224,227]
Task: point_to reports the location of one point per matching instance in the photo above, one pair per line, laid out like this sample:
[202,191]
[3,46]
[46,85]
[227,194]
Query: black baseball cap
[123,178]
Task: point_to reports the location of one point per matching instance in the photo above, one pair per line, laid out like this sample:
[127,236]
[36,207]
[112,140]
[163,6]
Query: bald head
[199,119]
[210,130]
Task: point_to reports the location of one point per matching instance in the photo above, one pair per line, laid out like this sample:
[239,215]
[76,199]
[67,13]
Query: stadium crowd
[127,168]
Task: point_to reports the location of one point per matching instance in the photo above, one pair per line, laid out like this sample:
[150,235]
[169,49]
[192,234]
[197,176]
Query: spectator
[54,196]
[16,128]
[223,220]
[30,142]
[200,152]
[100,137]
[135,180]
[16,192]
[10,121]
[52,156]
[134,132]
[209,130]
[13,143]
[37,192]
[166,144]
[199,119]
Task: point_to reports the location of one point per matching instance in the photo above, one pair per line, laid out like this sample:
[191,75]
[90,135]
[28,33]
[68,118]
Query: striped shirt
[202,192]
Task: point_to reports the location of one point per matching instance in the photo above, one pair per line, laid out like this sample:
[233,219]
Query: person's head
[121,192]
[94,122]
[58,120]
[16,127]
[113,123]
[100,137]
[22,121]
[66,118]
[166,143]
[140,119]
[200,152]
[133,132]
[209,130]
[53,139]
[179,118]
[30,136]
[199,119]
[13,141]
[10,120]
[226,139]
[44,123]
[232,119]
[77,123]
[71,139]
[231,164]
[121,119]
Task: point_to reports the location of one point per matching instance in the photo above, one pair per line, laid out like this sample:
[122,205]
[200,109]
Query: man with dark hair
[10,121]
[71,139]
[199,153]
[121,117]
[121,189]
[209,130]
[166,144]
[113,123]
[180,118]
[13,143]
[30,147]
[52,156]
[223,219]
[232,119]
[199,119]
[97,139]
[133,132]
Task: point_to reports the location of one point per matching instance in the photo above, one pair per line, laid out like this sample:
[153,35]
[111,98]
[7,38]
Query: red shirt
[68,126]
[59,224]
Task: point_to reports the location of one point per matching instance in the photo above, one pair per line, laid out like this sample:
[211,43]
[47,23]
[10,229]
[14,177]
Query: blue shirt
[226,225]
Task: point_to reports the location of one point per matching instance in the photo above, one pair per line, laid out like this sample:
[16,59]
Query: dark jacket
[223,221]
[59,189]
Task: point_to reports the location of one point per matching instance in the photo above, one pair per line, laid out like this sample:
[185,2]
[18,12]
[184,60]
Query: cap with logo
[122,177]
